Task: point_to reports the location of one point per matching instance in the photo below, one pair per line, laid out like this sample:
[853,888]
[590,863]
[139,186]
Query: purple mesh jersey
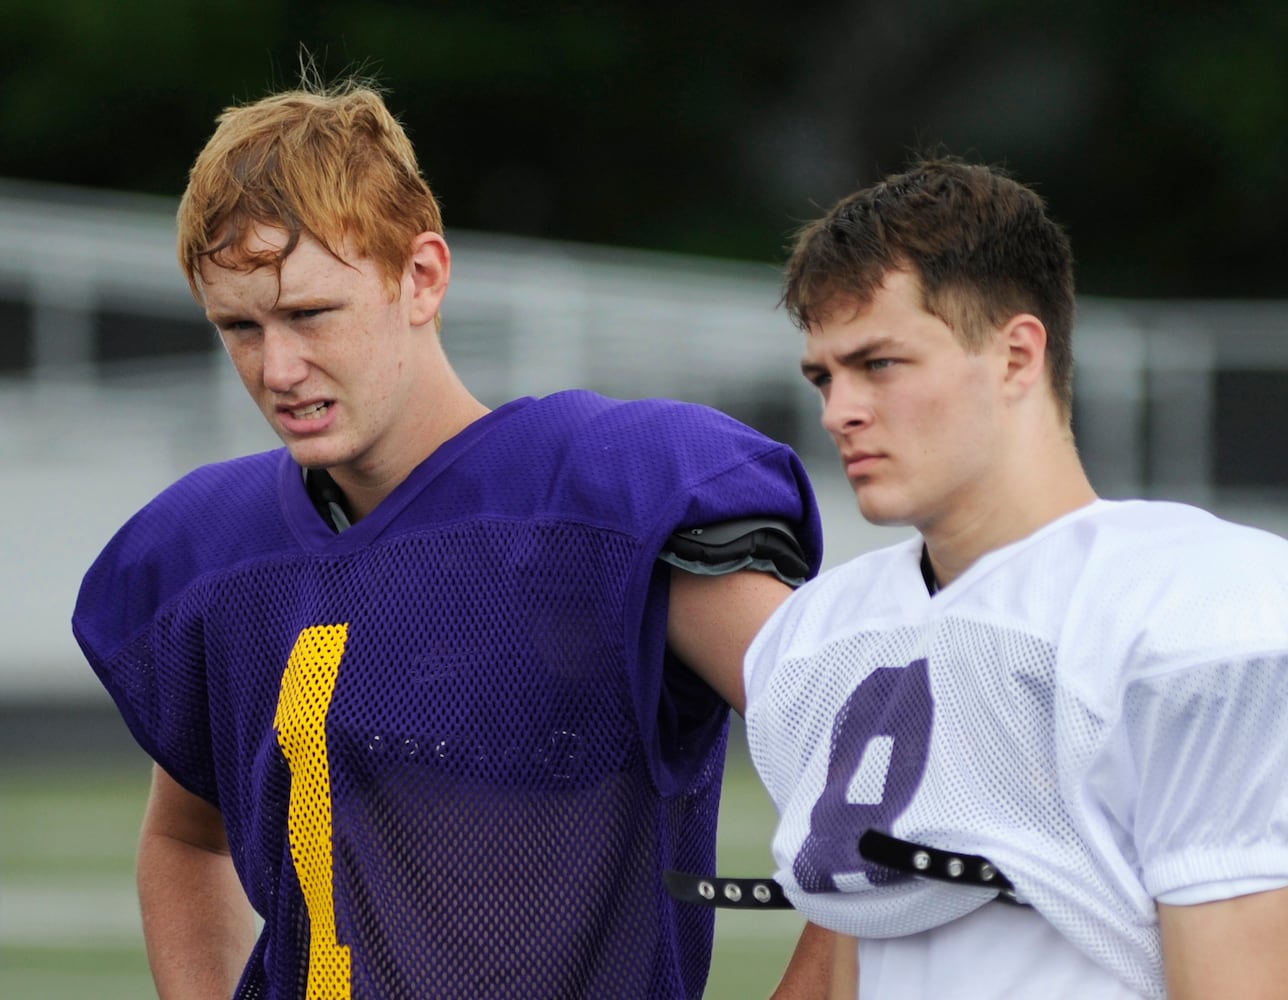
[451,750]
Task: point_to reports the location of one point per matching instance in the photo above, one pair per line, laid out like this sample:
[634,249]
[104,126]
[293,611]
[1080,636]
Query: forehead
[257,266]
[895,311]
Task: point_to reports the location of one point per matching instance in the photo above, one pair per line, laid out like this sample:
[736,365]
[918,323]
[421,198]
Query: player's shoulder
[1173,584]
[225,485]
[878,588]
[657,447]
[648,423]
[868,574]
[212,510]
[247,473]
[1166,534]
[204,522]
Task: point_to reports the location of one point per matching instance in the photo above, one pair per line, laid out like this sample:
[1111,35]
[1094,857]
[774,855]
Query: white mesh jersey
[1101,709]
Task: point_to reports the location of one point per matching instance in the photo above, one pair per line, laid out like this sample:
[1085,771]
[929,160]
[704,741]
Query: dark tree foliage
[1158,130]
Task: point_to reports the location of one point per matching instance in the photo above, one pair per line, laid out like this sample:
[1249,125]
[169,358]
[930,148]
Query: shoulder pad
[763,543]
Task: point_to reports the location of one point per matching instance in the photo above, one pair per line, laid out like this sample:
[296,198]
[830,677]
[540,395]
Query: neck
[1012,506]
[442,411]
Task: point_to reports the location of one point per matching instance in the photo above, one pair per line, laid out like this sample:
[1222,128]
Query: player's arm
[1228,948]
[712,620]
[197,923]
[845,966]
[813,973]
[728,578]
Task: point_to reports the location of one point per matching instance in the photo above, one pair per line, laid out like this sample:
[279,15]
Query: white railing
[83,444]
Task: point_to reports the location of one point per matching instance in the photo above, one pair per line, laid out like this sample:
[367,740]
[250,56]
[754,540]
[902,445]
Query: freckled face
[321,348]
[914,415]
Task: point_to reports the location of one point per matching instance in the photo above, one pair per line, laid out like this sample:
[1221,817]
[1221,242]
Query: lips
[311,417]
[859,463]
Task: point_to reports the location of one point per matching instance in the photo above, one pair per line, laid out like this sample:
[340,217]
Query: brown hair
[332,163]
[980,243]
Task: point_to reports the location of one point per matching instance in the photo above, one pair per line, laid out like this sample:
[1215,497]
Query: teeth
[308,413]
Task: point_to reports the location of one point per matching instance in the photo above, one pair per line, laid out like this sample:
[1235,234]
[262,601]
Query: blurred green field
[69,925]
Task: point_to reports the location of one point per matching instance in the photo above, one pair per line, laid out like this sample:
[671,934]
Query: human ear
[430,268]
[1024,339]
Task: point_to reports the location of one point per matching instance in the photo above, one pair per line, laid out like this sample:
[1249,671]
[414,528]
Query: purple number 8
[893,702]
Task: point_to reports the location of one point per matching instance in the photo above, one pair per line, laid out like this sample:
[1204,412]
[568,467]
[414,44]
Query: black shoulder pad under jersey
[762,543]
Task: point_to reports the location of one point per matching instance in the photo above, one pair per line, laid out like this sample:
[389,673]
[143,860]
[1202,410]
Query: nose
[283,365]
[845,408]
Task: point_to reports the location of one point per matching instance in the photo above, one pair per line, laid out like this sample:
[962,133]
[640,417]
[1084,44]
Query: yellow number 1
[307,688]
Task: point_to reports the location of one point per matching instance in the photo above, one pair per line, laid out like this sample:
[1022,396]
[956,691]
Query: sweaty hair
[330,163]
[980,243]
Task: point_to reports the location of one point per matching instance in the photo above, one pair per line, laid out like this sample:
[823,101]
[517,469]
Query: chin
[882,511]
[310,456]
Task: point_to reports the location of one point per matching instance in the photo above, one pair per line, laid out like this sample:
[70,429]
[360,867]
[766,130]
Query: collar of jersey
[988,560]
[312,531]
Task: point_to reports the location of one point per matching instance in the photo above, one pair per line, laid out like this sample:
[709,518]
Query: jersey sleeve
[1204,729]
[1212,772]
[138,624]
[144,650]
[656,467]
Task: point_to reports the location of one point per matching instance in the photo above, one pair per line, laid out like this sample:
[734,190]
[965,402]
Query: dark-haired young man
[1045,698]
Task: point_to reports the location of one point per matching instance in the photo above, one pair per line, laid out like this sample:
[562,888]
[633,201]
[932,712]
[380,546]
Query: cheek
[930,413]
[951,420]
[971,423]
[246,360]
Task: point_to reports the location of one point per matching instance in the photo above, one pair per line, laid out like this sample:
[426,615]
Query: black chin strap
[880,848]
[328,498]
[928,572]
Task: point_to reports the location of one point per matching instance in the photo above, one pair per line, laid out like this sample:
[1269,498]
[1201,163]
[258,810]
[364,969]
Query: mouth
[859,464]
[310,418]
[311,411]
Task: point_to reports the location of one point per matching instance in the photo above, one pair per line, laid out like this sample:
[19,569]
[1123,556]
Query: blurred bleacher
[112,385]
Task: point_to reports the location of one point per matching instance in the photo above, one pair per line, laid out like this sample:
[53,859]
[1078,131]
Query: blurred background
[619,181]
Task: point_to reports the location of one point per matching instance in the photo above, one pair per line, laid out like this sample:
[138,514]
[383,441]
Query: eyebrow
[306,300]
[852,358]
[222,318]
[283,305]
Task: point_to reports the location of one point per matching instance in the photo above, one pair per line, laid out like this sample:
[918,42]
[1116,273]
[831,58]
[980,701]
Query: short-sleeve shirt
[1101,709]
[451,750]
